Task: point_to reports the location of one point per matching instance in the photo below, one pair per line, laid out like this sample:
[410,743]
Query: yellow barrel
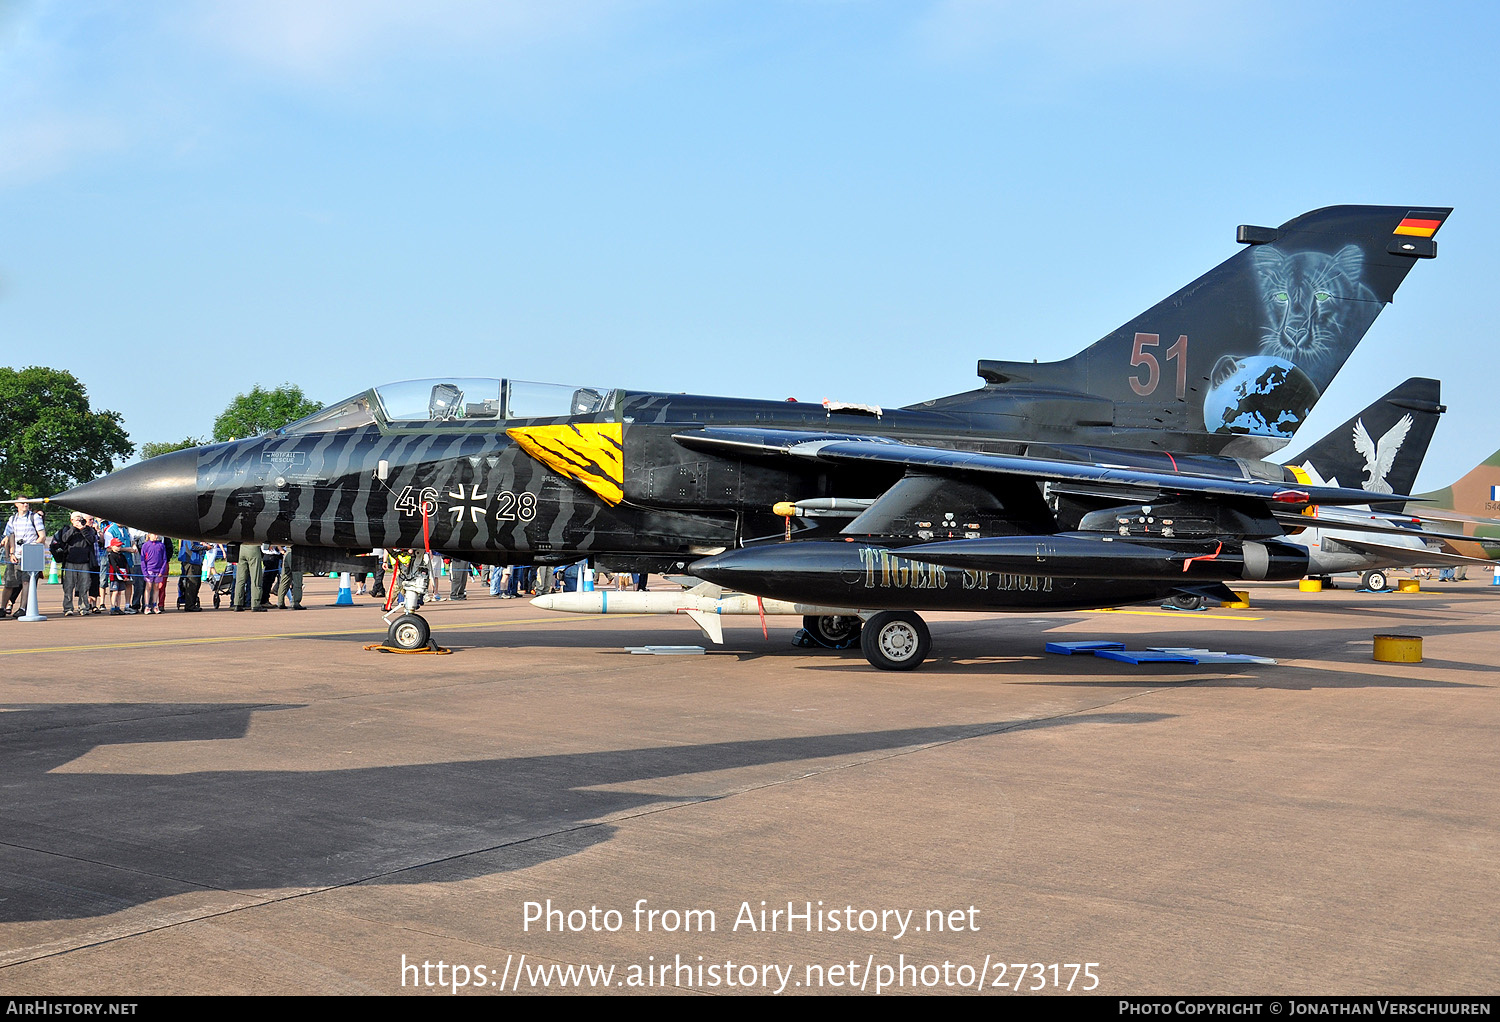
[1311,585]
[1240,602]
[1408,585]
[1398,649]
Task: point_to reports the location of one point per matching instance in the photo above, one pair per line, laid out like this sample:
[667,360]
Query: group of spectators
[264,571]
[109,568]
[507,582]
[525,580]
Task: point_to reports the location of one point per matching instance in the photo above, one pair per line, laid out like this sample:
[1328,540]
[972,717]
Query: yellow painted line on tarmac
[1180,614]
[206,639]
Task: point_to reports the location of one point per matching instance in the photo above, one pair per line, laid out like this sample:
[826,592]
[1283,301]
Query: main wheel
[1184,601]
[895,640]
[836,631]
[1375,581]
[409,631]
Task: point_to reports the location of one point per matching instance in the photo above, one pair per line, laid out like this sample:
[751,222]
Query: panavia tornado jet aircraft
[1379,449]
[1124,473]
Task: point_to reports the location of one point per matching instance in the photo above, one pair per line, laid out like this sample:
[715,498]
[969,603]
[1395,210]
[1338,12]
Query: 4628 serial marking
[510,505]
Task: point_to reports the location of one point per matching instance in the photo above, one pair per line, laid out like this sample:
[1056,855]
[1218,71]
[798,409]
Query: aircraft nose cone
[748,571]
[160,495]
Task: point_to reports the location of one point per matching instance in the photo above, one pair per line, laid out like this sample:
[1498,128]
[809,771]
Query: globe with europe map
[1259,395]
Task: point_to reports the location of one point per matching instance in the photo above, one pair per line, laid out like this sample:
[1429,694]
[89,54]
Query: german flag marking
[592,453]
[1419,227]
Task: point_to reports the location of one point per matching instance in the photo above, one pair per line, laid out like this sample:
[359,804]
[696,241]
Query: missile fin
[707,623]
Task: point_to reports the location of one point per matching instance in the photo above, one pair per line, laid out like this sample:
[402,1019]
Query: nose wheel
[409,632]
[895,640]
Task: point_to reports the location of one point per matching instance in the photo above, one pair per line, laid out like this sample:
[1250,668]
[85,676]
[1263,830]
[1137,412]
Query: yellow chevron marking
[590,452]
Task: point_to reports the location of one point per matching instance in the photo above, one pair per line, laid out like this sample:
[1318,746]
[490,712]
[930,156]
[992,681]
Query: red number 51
[1140,356]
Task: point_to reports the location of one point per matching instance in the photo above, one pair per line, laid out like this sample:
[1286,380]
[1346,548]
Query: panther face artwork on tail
[1313,301]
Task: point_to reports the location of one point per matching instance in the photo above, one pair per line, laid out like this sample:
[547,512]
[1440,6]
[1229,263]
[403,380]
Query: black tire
[409,631]
[895,640]
[1185,601]
[836,631]
[1375,580]
[216,601]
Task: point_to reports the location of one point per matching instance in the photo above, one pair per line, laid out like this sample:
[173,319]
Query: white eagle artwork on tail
[1379,457]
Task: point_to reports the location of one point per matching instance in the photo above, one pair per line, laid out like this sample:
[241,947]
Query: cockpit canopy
[459,403]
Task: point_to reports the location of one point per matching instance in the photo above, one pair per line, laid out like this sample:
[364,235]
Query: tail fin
[1474,501]
[1232,363]
[1381,448]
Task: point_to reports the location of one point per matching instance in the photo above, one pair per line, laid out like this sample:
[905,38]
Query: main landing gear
[895,640]
[836,631]
[1375,580]
[892,640]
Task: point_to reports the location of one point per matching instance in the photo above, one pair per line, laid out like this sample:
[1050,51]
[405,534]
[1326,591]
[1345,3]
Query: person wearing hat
[73,549]
[25,527]
[118,546]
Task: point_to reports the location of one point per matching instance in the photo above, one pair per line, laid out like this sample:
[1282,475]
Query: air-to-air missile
[704,603]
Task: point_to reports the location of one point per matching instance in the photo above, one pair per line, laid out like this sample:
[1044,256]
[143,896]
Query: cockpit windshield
[429,401]
[461,403]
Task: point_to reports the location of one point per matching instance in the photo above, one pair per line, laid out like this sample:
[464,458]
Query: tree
[49,438]
[262,410]
[154,448]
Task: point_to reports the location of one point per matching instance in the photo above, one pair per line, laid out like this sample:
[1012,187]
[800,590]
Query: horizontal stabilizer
[1408,555]
[1355,523]
[1431,514]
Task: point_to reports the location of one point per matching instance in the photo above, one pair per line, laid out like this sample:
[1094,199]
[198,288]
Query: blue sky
[851,199]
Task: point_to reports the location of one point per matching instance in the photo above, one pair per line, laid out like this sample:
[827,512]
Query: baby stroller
[221,584]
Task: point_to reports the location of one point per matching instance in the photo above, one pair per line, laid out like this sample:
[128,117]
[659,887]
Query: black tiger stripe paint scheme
[618,484]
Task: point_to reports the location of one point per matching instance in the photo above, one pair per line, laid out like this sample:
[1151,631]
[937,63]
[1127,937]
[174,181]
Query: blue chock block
[1069,648]
[1145,656]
